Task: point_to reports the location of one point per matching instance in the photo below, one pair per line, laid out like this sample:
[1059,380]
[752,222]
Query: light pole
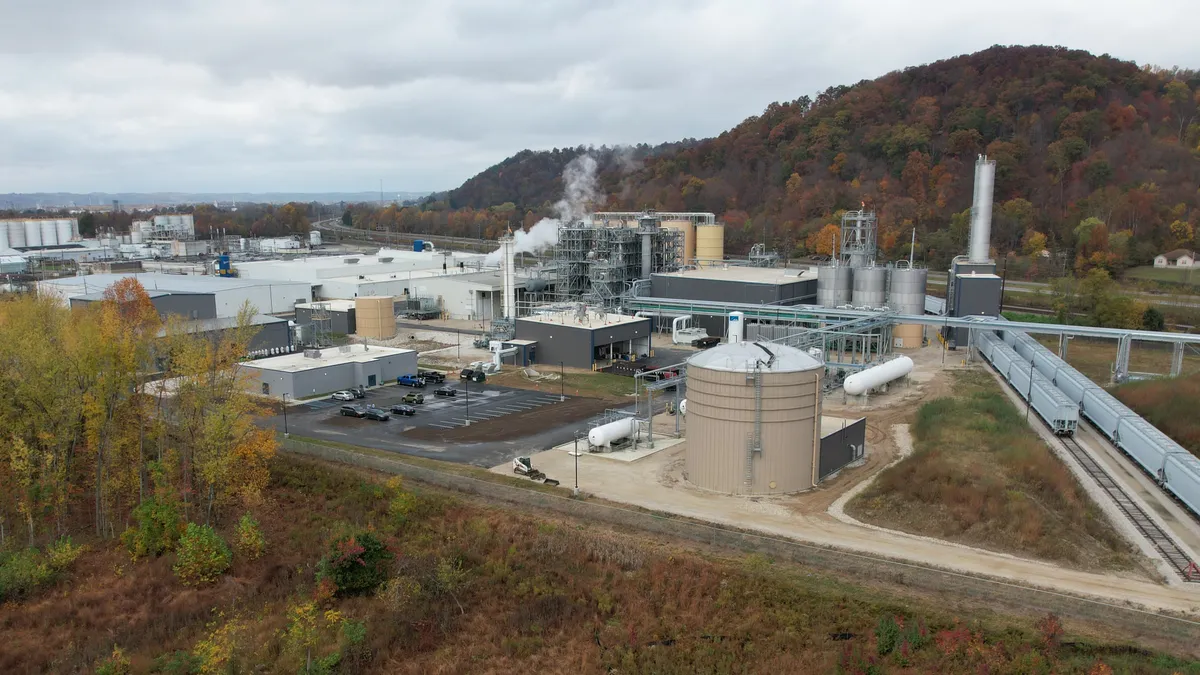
[285,429]
[467,388]
[576,493]
[562,382]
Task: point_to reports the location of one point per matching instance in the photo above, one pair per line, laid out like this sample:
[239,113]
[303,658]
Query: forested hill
[1078,139]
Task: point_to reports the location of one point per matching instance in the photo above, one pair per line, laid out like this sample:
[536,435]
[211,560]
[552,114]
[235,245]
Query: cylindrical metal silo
[754,412]
[136,237]
[870,287]
[907,296]
[62,231]
[16,234]
[834,285]
[375,317]
[33,234]
[49,232]
[4,234]
[75,229]
[710,244]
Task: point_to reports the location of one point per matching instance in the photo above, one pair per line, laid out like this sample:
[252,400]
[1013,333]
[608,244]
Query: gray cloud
[259,95]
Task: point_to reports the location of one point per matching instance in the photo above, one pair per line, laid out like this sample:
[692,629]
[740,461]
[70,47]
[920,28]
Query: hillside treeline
[1096,157]
[89,443]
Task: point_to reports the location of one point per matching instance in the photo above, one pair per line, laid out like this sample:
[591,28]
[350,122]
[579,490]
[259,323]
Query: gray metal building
[318,372]
[340,313]
[842,442]
[757,285]
[974,295]
[584,340]
[188,305]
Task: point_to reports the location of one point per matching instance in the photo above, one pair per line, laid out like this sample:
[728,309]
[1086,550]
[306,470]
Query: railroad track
[1171,552]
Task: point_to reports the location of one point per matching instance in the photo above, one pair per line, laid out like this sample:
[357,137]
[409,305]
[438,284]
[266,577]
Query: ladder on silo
[755,444]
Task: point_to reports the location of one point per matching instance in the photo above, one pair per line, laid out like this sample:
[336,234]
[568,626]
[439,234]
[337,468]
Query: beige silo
[710,244]
[375,317]
[738,387]
[689,237]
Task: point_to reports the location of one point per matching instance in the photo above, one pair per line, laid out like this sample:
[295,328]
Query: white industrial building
[266,297]
[389,272]
[474,296]
[317,372]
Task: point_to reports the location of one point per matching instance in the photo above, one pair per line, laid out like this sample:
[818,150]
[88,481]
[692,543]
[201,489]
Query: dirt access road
[656,483]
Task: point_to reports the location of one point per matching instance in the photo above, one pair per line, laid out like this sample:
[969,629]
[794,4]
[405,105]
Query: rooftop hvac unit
[351,261]
[386,260]
[312,353]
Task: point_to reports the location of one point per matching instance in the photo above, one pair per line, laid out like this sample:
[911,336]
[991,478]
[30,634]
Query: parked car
[377,414]
[472,374]
[342,396]
[432,375]
[445,391]
[359,392]
[410,381]
[352,411]
[414,397]
[406,410]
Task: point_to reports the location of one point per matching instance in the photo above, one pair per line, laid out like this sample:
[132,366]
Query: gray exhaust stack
[979,250]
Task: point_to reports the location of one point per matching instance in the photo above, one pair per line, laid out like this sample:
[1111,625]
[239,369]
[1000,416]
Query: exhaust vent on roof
[351,261]
[312,353]
[386,260]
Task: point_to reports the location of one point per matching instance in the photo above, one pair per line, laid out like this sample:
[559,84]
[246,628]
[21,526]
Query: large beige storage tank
[689,237]
[907,296]
[721,412]
[710,244]
[375,317]
[16,234]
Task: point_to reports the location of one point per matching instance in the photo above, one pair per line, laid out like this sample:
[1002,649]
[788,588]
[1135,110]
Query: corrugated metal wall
[842,447]
[720,421]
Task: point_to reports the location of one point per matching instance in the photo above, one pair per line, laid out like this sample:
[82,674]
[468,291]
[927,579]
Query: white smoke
[579,191]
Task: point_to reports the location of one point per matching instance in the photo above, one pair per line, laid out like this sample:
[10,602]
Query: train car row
[1170,464]
[1051,405]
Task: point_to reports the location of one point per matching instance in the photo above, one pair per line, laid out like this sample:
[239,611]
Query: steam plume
[580,189]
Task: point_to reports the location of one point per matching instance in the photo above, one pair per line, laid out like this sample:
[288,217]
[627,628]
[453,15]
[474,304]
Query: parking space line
[442,426]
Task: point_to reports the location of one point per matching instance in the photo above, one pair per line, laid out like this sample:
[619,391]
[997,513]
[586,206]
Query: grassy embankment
[980,476]
[1094,358]
[1183,280]
[1169,404]
[488,590]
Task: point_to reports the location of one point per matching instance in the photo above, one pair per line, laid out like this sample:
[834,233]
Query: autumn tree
[1183,104]
[824,240]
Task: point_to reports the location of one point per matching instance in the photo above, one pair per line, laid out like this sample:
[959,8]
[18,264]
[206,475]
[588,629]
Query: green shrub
[178,663]
[249,540]
[202,555]
[356,564]
[22,571]
[887,635]
[116,664]
[157,529]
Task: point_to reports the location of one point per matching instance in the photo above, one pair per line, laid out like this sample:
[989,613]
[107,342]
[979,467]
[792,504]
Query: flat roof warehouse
[332,356]
[750,275]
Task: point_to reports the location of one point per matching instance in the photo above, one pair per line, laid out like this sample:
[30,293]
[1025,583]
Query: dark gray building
[340,313]
[842,442]
[587,341]
[974,295]
[754,285]
[273,335]
[188,305]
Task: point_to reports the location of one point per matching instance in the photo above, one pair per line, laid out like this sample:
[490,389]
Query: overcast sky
[308,95]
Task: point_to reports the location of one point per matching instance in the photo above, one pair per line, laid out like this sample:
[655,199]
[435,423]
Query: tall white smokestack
[981,210]
[508,274]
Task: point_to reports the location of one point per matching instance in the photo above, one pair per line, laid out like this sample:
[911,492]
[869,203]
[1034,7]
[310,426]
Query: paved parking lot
[480,402]
[320,419]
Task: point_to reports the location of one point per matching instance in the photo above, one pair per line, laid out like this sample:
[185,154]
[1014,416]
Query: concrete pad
[630,455]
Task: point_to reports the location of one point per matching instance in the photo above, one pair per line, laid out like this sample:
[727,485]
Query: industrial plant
[746,378]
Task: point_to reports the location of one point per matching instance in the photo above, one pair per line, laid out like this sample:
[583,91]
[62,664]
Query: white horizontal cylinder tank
[866,380]
[737,327]
[605,434]
[683,407]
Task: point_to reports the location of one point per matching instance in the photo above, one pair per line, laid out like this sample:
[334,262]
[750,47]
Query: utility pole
[576,492]
[467,388]
[562,382]
[285,427]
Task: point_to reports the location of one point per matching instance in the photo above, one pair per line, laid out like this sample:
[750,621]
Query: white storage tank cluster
[870,287]
[835,284]
[39,232]
[742,391]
